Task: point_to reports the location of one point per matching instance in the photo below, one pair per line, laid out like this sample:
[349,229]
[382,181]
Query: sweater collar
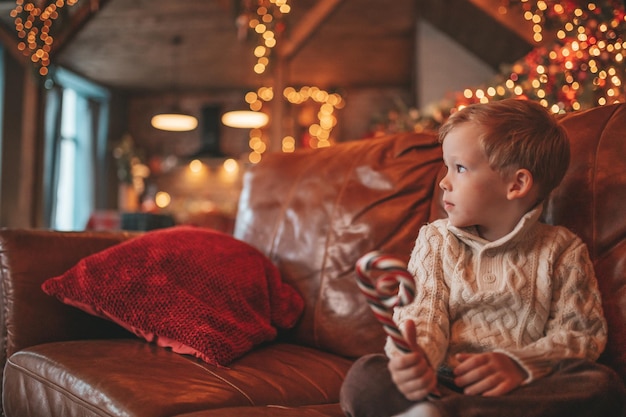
[470,236]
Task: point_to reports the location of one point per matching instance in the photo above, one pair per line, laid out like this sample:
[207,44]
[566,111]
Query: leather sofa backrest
[591,201]
[314,213]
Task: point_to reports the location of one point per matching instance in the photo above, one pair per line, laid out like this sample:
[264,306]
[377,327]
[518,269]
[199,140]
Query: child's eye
[460,168]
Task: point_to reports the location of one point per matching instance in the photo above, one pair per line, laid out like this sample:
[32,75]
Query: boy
[508,319]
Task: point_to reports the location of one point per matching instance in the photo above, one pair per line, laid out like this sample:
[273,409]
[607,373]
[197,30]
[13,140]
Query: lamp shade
[174,122]
[246,119]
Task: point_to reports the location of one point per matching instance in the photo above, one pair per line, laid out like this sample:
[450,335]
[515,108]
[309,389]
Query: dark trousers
[576,388]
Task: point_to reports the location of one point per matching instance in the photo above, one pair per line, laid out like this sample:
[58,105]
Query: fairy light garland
[258,142]
[319,133]
[266,19]
[33,25]
[268,25]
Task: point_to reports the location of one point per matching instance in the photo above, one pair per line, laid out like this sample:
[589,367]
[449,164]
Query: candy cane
[386,283]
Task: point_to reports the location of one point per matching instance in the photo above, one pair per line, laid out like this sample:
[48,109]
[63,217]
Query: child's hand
[488,374]
[411,372]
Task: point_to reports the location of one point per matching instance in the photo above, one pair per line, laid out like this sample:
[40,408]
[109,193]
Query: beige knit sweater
[532,295]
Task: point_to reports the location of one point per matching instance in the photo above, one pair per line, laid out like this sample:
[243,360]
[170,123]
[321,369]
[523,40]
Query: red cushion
[196,291]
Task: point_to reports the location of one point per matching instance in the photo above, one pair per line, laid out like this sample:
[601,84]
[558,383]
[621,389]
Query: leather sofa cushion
[133,378]
[324,410]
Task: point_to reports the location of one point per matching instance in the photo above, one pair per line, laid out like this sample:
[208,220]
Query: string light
[320,132]
[266,19]
[33,25]
[258,144]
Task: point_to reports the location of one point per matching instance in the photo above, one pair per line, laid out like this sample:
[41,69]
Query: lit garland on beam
[266,19]
[319,134]
[33,25]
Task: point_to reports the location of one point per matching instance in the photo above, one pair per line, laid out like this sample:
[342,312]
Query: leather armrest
[29,316]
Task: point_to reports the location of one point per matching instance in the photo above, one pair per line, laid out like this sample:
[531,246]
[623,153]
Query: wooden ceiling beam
[478,31]
[511,18]
[9,40]
[77,21]
[309,23]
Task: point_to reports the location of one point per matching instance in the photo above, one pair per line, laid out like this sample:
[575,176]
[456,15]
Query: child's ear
[520,185]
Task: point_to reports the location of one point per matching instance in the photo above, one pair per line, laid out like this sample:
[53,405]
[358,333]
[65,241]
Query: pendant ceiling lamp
[245,119]
[174,120]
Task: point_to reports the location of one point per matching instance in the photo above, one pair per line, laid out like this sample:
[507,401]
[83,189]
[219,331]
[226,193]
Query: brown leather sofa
[314,213]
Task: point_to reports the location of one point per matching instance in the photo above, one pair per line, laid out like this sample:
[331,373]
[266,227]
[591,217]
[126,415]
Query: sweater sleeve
[576,327]
[429,309]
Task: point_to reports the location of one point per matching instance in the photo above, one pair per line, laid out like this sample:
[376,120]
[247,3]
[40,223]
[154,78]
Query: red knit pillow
[196,291]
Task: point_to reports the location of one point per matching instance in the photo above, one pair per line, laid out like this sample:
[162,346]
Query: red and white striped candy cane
[386,283]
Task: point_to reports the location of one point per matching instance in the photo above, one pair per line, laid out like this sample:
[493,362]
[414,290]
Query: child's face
[474,194]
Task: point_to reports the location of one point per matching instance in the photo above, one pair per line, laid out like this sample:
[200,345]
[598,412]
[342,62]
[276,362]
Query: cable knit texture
[531,295]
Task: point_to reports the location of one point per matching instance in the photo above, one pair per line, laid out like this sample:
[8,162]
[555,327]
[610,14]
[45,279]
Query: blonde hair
[518,134]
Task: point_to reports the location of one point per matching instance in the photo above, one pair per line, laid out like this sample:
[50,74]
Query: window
[65,217]
[75,151]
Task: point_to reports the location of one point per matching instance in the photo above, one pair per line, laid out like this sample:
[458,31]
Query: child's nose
[444,184]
